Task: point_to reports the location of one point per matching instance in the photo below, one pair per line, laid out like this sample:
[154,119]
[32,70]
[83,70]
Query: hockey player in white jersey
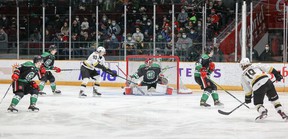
[88,70]
[255,81]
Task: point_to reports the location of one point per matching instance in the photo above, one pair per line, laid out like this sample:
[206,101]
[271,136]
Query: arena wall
[226,74]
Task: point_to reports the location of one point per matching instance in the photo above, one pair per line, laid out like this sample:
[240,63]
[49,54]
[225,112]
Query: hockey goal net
[169,66]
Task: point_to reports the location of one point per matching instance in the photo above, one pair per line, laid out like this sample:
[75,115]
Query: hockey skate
[56,92]
[82,94]
[12,109]
[218,103]
[42,93]
[262,116]
[283,115]
[96,93]
[204,104]
[33,108]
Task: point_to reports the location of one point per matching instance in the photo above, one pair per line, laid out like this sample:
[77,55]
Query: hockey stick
[227,113]
[64,70]
[6,92]
[228,93]
[143,93]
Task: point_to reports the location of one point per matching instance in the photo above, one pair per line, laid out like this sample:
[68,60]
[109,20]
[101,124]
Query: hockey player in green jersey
[23,83]
[203,68]
[151,73]
[48,64]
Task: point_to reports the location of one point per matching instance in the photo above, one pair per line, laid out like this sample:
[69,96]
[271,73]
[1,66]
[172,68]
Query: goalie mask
[148,62]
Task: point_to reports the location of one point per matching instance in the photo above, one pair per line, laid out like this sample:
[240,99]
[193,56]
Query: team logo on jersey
[150,74]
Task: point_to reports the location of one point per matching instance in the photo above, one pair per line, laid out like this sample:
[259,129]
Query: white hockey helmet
[101,50]
[244,63]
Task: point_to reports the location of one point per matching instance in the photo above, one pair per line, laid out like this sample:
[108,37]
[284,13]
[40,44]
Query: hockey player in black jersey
[48,64]
[255,80]
[23,83]
[203,68]
[88,70]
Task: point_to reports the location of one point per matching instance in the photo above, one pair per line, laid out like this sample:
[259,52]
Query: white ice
[116,116]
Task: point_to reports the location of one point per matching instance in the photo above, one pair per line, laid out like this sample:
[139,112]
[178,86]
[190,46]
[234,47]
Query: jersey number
[250,72]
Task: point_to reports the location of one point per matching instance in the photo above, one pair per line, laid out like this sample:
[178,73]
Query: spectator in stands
[266,55]
[85,24]
[189,25]
[65,29]
[3,40]
[193,35]
[182,44]
[130,45]
[148,27]
[35,36]
[255,55]
[111,44]
[75,27]
[85,40]
[114,28]
[193,18]
[4,22]
[182,17]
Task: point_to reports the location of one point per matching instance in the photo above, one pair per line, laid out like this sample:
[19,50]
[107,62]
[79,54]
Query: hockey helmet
[148,62]
[208,50]
[52,47]
[101,49]
[37,58]
[244,63]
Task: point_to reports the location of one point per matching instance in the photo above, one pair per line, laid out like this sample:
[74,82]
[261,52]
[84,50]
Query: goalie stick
[143,93]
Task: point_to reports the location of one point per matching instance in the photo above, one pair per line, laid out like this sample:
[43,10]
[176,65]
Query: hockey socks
[33,99]
[204,98]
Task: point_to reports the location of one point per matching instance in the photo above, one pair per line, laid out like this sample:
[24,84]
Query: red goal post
[168,64]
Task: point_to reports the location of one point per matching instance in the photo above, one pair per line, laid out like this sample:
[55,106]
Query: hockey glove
[57,70]
[34,85]
[277,75]
[109,71]
[42,70]
[211,66]
[15,77]
[203,74]
[248,99]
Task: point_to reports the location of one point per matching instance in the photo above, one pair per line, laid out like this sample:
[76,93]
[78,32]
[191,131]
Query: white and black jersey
[93,60]
[255,76]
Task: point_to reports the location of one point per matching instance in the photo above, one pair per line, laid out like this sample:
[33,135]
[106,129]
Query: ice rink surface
[116,116]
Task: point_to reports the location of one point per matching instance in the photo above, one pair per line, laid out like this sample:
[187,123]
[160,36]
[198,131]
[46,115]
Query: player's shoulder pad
[155,65]
[45,54]
[28,64]
[205,56]
[142,66]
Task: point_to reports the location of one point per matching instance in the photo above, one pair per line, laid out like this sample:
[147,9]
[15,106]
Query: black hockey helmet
[37,58]
[208,50]
[52,47]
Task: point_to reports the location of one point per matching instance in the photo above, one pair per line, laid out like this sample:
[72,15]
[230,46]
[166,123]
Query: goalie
[152,75]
